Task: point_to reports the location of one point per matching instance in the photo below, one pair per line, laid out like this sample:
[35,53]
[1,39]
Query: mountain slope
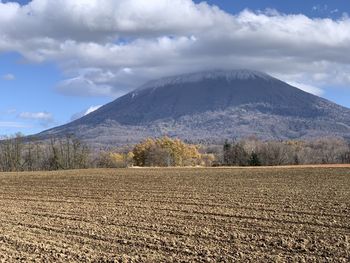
[211,105]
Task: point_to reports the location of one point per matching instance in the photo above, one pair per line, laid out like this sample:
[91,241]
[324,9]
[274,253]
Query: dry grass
[299,214]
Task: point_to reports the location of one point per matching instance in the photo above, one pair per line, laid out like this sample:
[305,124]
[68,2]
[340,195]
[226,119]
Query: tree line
[19,154]
[255,152]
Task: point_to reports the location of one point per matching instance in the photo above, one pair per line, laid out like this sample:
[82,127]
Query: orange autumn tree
[165,152]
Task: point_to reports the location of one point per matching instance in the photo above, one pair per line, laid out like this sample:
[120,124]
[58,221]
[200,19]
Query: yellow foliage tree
[165,152]
[115,160]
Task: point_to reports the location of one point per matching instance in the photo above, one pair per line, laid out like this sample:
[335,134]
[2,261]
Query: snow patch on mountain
[228,75]
[84,112]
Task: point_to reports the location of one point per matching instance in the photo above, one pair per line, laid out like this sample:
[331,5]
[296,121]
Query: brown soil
[177,215]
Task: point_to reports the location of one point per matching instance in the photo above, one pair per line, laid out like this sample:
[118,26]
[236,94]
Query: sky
[61,59]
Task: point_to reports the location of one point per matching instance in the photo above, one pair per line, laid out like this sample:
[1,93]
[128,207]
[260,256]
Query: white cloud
[44,118]
[85,112]
[92,20]
[80,86]
[308,88]
[9,77]
[334,11]
[36,115]
[107,47]
[320,8]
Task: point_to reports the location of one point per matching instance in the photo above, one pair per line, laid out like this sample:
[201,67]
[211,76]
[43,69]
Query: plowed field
[172,215]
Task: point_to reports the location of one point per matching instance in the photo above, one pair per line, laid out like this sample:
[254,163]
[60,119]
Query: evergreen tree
[254,159]
[296,159]
[227,153]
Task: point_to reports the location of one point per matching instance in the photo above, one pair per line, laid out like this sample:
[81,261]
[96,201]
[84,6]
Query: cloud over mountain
[108,47]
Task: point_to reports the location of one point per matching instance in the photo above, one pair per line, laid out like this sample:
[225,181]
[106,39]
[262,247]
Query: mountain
[210,106]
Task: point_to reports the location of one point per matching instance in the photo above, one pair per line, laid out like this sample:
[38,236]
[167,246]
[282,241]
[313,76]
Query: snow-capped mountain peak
[228,75]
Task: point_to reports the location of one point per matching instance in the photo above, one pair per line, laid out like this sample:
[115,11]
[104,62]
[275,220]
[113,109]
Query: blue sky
[32,91]
[54,68]
[312,8]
